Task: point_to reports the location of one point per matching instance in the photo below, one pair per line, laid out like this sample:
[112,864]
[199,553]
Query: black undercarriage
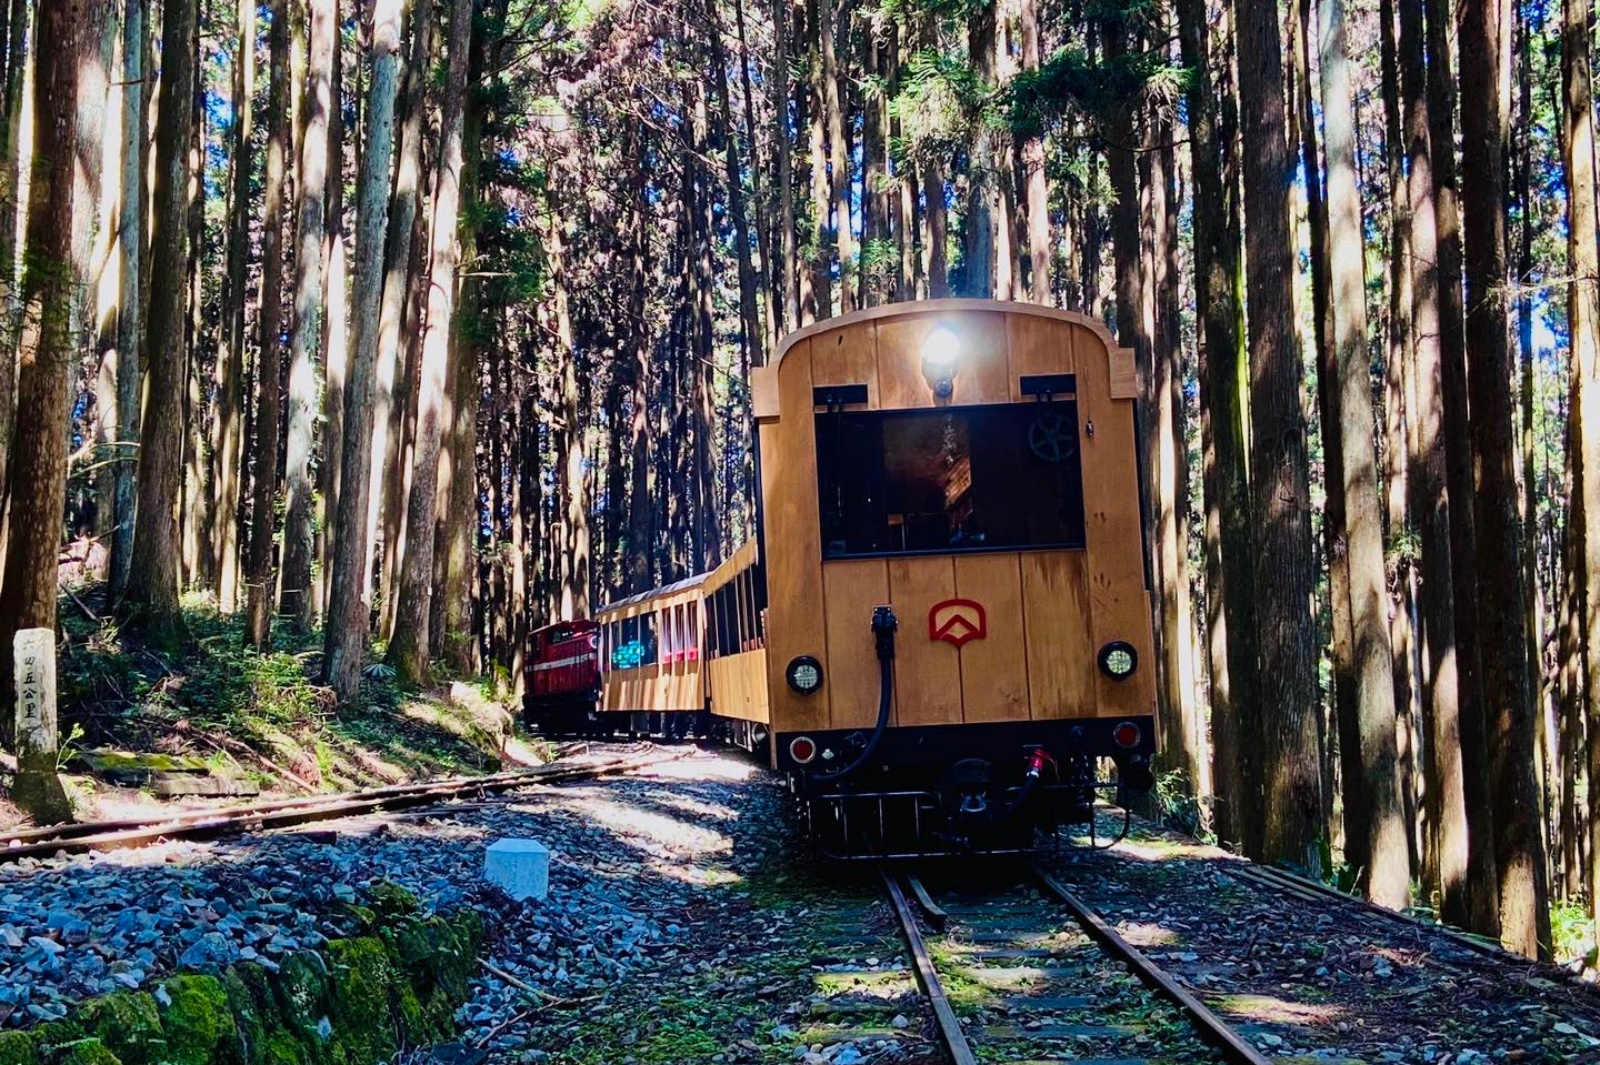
[1002,787]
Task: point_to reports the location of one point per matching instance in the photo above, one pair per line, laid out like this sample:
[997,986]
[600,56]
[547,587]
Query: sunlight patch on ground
[695,808]
[702,767]
[673,848]
[1274,1010]
[1148,935]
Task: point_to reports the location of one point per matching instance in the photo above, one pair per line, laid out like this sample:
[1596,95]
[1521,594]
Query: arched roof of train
[886,311]
[684,585]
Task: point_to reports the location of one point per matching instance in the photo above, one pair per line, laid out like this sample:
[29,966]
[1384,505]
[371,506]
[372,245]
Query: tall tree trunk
[1282,766]
[263,523]
[408,650]
[39,458]
[194,506]
[390,416]
[228,428]
[94,248]
[1340,709]
[335,335]
[1183,744]
[1519,847]
[1483,869]
[461,510]
[1033,167]
[350,598]
[839,154]
[1230,605]
[575,549]
[130,248]
[1398,430]
[1583,313]
[749,312]
[152,589]
[295,600]
[789,274]
[1387,858]
[978,259]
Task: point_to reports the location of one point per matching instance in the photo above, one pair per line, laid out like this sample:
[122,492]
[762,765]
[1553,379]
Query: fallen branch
[552,1002]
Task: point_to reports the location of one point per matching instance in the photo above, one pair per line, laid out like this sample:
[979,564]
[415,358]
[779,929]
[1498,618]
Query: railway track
[285,813]
[1031,974]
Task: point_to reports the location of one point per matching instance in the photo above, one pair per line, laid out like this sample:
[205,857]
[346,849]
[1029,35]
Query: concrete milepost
[38,788]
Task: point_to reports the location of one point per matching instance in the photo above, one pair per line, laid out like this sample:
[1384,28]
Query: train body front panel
[972,466]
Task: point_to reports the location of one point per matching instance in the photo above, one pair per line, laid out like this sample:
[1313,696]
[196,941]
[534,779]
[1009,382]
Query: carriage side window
[692,633]
[996,477]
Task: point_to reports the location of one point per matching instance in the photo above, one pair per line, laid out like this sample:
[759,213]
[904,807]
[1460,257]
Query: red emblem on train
[957,621]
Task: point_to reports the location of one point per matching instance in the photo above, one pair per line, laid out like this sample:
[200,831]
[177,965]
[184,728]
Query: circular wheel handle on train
[1053,438]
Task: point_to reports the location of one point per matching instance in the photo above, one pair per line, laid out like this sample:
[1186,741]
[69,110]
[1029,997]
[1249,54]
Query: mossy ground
[360,1003]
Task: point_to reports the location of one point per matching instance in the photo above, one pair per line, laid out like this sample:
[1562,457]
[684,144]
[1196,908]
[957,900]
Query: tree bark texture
[408,649]
[1387,858]
[1519,847]
[152,588]
[263,521]
[295,599]
[350,601]
[1282,770]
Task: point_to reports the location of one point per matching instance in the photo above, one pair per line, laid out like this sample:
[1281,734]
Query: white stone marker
[519,867]
[35,661]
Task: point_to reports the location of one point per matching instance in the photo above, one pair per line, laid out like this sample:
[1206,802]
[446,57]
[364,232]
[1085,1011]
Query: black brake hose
[884,625]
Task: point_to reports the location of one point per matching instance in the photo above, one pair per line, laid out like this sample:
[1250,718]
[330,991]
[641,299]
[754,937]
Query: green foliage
[939,103]
[1069,82]
[1189,814]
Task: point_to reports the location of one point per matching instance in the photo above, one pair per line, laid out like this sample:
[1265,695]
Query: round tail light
[1126,735]
[802,749]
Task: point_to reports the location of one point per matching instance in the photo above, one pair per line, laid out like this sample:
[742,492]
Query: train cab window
[996,477]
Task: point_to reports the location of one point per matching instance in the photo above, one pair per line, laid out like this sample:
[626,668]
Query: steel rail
[1216,1031]
[944,1014]
[1316,891]
[233,821]
[179,817]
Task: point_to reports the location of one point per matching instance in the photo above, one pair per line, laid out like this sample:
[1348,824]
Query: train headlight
[941,348]
[804,674]
[1118,660]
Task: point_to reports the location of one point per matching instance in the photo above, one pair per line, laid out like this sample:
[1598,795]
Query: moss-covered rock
[398,985]
[301,984]
[129,1024]
[281,1048]
[52,1035]
[198,1022]
[360,993]
[391,900]
[16,1048]
[87,1052]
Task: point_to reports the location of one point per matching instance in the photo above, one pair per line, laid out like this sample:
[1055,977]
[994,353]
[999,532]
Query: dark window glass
[957,479]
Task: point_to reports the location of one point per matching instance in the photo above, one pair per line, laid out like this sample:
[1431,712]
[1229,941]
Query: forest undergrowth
[210,705]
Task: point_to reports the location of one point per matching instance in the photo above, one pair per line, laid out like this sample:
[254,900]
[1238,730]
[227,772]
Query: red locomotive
[562,677]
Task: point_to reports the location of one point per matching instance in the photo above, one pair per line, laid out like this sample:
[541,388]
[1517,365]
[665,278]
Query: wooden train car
[944,625]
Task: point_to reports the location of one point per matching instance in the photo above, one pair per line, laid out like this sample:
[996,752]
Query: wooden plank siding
[994,671]
[794,545]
